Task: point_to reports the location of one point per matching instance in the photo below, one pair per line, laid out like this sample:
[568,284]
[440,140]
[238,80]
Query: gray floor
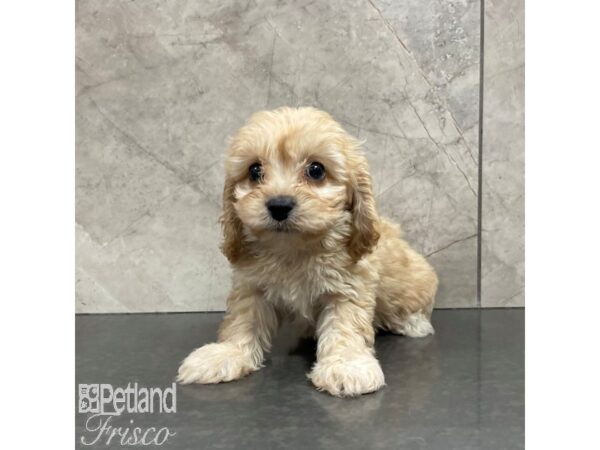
[460,389]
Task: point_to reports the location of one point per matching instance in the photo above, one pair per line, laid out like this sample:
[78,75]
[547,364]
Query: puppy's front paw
[216,363]
[348,377]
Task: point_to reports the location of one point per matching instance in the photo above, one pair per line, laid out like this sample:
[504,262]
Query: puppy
[303,236]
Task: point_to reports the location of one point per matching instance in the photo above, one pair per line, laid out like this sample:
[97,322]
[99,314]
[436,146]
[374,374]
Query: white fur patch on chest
[295,285]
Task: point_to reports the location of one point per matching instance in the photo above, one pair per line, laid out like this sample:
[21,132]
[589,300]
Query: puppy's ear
[232,226]
[365,220]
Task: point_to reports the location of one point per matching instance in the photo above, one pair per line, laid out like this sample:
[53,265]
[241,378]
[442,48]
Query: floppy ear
[231,225]
[365,221]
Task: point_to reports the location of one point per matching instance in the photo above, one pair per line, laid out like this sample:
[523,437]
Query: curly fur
[335,265]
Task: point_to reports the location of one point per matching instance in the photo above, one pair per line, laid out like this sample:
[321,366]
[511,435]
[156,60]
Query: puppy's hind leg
[406,292]
[413,325]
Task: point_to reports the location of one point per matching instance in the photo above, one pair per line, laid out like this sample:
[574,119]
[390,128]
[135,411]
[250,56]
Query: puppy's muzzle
[280,207]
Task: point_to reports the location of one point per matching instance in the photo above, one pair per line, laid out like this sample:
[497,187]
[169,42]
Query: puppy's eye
[255,172]
[316,171]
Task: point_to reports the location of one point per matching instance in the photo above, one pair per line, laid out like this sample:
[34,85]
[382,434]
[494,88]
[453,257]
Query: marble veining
[503,233]
[443,36]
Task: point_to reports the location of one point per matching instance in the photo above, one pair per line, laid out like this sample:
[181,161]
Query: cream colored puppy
[305,241]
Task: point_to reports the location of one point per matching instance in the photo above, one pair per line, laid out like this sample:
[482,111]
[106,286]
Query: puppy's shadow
[306,348]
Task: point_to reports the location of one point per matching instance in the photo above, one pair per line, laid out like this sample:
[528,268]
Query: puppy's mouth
[283,227]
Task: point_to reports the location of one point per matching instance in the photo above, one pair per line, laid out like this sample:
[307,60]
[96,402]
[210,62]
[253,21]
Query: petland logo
[104,403]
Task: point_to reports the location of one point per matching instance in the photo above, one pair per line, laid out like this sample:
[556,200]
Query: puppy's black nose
[280,207]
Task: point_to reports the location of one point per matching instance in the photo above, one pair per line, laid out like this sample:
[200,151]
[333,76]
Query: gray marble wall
[503,141]
[162,84]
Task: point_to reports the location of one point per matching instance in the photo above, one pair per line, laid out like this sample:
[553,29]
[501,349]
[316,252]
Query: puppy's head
[293,175]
